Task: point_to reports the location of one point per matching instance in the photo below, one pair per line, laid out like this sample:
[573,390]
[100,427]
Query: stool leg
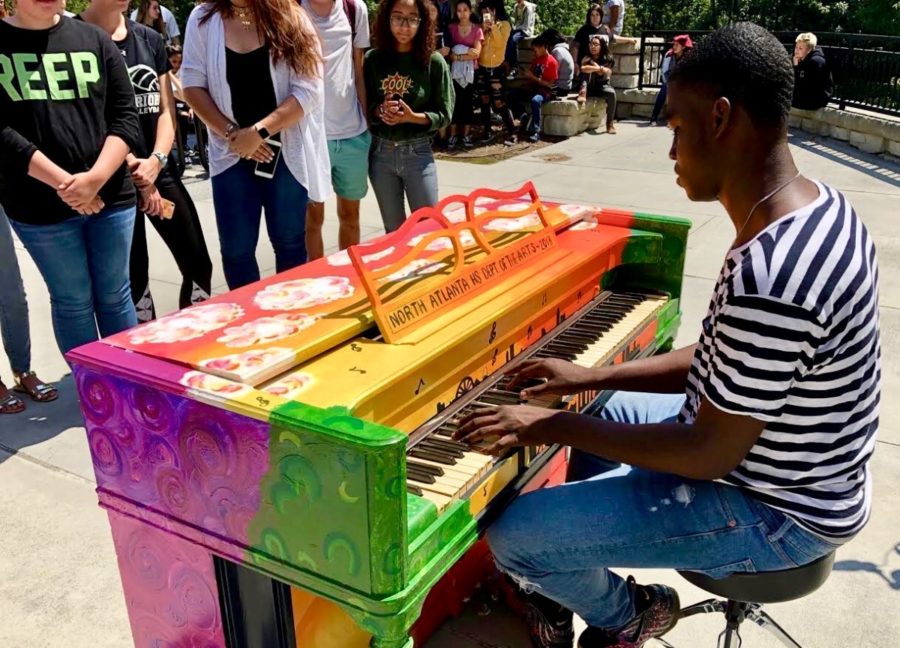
[712,606]
[763,620]
[731,636]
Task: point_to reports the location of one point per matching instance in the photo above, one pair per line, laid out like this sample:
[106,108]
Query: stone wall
[567,117]
[868,132]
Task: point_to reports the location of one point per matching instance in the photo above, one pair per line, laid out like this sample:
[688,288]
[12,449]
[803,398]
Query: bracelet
[230,128]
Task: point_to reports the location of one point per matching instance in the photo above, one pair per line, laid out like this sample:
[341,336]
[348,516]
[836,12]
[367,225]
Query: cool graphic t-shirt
[145,55]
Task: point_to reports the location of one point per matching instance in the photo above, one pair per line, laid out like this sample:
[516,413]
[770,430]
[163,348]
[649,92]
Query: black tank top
[250,80]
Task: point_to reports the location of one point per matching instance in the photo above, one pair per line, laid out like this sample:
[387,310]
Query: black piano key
[437,471]
[420,477]
[415,490]
[449,446]
[431,455]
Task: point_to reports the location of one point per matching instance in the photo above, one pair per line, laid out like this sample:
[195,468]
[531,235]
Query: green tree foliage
[854,16]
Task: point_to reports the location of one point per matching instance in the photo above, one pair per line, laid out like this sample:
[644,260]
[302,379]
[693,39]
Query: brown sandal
[40,392]
[610,128]
[10,403]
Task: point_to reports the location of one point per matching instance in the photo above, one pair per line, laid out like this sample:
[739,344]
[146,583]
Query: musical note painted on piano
[356,369]
[355,347]
[493,335]
[419,386]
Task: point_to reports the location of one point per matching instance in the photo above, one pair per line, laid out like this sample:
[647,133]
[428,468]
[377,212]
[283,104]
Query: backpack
[350,12]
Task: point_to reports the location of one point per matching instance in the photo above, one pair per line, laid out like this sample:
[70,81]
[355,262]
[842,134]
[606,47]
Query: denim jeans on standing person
[660,101]
[84,262]
[562,541]
[399,169]
[13,307]
[239,197]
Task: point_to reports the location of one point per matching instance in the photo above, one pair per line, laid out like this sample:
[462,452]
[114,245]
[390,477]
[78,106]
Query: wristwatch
[162,158]
[263,132]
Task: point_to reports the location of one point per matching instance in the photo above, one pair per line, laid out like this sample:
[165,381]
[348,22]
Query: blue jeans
[512,47]
[13,307]
[84,262]
[402,168]
[660,101]
[239,197]
[562,541]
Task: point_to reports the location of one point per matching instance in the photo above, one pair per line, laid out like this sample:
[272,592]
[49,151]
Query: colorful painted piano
[276,463]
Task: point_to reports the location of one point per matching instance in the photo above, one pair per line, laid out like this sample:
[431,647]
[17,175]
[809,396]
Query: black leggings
[602,91]
[184,238]
[463,114]
[491,85]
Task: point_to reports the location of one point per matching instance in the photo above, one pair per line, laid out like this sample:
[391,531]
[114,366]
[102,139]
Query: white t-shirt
[617,28]
[344,117]
[168,17]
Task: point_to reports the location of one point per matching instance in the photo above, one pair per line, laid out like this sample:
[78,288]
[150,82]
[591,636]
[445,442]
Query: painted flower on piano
[588,223]
[187,324]
[214,384]
[236,362]
[266,329]
[342,258]
[303,293]
[290,385]
[444,243]
[513,224]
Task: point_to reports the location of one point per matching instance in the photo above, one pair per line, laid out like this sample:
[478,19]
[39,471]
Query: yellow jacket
[493,50]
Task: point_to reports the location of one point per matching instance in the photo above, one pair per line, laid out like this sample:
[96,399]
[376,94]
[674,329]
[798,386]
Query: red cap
[684,39]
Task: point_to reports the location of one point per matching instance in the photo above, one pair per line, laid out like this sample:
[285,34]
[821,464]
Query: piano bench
[745,594]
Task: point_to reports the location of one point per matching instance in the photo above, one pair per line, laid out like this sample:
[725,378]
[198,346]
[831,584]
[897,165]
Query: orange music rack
[452,257]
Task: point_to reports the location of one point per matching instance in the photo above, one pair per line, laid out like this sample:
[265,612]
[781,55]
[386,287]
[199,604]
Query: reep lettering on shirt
[58,76]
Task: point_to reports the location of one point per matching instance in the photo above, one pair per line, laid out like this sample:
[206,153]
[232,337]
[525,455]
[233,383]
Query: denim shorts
[350,165]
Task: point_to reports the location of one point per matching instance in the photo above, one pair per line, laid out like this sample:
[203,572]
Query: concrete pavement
[59,584]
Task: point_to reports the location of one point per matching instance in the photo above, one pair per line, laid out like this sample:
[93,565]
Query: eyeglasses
[405,21]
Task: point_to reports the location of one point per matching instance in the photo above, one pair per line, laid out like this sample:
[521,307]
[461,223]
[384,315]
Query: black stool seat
[767,587]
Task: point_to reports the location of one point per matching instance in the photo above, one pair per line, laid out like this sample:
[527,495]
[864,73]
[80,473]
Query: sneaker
[610,128]
[512,140]
[658,605]
[534,137]
[467,142]
[549,624]
[451,142]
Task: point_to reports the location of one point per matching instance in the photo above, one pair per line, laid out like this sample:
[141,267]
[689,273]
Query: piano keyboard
[444,471]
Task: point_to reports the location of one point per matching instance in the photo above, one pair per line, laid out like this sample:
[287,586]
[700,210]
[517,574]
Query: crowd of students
[92,105]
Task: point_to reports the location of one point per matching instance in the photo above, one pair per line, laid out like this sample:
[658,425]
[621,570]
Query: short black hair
[745,63]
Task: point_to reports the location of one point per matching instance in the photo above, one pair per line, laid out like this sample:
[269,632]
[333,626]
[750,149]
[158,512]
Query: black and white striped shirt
[792,339]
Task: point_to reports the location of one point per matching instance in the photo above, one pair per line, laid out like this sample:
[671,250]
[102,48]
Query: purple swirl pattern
[184,459]
[170,587]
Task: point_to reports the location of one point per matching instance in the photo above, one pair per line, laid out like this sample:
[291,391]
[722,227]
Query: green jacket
[429,91]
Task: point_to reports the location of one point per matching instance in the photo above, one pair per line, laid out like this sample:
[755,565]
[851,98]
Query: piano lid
[257,332]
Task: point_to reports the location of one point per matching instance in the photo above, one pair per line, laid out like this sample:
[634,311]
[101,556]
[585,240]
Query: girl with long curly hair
[252,71]
[410,96]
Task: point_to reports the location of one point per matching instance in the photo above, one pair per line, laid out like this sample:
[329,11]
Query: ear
[721,113]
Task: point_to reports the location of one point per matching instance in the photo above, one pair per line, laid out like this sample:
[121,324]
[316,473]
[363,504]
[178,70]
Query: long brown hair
[285,28]
[143,14]
[3,12]
[423,41]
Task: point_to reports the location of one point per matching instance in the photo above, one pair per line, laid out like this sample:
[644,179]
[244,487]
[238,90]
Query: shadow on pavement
[840,153]
[41,421]
[892,579]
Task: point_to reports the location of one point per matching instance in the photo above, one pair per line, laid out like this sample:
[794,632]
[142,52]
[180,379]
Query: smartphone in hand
[267,169]
[168,209]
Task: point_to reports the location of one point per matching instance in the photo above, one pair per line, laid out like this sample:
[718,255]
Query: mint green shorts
[350,166]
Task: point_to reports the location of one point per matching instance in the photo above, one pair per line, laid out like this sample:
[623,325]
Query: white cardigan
[304,147]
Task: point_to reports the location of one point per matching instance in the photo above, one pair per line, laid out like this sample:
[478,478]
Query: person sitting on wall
[813,85]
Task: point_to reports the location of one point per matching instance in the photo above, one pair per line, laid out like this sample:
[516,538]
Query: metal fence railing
[865,68]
